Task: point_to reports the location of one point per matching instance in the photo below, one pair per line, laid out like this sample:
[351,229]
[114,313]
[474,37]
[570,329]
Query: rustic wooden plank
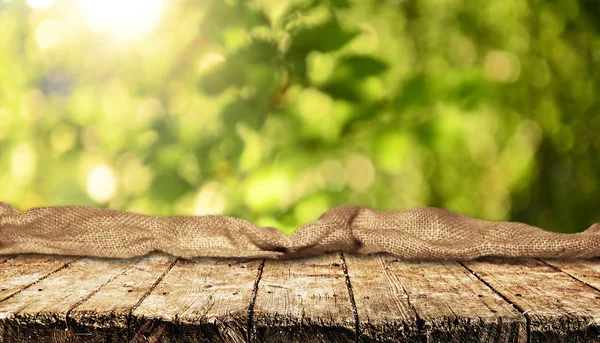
[24,270]
[384,311]
[90,300]
[202,300]
[450,303]
[40,312]
[587,271]
[558,307]
[104,317]
[304,301]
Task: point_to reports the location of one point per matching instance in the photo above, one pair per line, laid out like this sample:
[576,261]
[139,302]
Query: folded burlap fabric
[424,233]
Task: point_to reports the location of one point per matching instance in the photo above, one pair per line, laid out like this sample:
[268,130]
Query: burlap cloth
[425,233]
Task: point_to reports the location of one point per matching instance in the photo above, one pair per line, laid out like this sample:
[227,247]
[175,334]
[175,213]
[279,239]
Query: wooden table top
[331,298]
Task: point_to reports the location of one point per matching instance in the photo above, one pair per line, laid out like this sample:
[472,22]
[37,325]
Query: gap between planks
[90,295]
[563,270]
[45,276]
[160,278]
[559,308]
[351,296]
[250,327]
[523,312]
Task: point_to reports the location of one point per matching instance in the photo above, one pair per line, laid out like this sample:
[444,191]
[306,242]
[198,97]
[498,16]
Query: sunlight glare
[40,4]
[124,19]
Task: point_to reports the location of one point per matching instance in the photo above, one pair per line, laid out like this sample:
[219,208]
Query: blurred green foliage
[275,111]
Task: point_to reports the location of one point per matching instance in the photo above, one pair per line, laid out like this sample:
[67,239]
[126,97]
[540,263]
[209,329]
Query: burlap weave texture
[425,233]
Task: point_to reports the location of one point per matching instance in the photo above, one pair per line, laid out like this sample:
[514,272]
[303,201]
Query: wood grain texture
[304,301]
[558,307]
[22,271]
[587,271]
[447,302]
[324,299]
[40,311]
[203,300]
[104,316]
[383,307]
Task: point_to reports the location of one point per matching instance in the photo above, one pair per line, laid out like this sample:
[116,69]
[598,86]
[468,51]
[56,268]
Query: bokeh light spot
[314,105]
[502,66]
[209,61]
[23,162]
[361,172]
[333,174]
[101,184]
[463,51]
[210,200]
[47,34]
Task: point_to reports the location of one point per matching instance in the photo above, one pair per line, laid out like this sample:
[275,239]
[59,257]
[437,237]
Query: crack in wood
[351,296]
[569,274]
[419,321]
[66,265]
[251,328]
[523,312]
[91,294]
[154,285]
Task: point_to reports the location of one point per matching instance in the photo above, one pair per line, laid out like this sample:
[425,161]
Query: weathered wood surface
[304,301]
[198,301]
[441,301]
[22,271]
[105,315]
[558,307]
[331,298]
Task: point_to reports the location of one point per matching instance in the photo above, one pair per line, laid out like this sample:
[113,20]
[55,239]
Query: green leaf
[242,111]
[416,91]
[259,50]
[326,37]
[349,71]
[342,90]
[168,186]
[359,66]
[469,93]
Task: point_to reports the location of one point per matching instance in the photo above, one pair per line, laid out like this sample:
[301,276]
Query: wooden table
[335,297]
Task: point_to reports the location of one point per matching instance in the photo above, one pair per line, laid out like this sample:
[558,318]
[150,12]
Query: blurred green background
[276,111]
